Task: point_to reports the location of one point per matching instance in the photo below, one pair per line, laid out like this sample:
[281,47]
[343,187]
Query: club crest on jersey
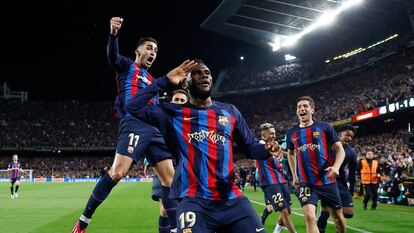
[187,230]
[144,79]
[223,120]
[130,149]
[304,199]
[316,134]
[200,136]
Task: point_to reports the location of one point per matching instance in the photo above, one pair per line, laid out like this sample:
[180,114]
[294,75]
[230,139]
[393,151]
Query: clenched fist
[115,24]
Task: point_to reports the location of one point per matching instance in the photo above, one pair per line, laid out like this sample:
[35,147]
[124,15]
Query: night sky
[61,54]
[58,51]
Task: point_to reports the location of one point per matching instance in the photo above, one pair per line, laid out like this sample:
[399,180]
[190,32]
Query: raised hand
[179,74]
[115,25]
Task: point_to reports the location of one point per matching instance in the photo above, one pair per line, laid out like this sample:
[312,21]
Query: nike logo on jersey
[259,229]
[295,139]
[189,118]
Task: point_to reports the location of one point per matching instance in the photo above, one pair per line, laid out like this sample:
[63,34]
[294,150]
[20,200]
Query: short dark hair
[346,127]
[144,39]
[308,98]
[199,61]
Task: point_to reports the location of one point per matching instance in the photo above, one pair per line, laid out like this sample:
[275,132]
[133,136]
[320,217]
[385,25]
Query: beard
[200,94]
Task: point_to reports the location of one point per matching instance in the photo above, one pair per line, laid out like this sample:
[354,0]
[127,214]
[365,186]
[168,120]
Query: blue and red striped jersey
[15,169]
[202,139]
[270,171]
[312,146]
[130,77]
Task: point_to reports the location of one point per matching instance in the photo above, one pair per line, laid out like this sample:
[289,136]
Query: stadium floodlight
[275,44]
[326,19]
[242,58]
[291,40]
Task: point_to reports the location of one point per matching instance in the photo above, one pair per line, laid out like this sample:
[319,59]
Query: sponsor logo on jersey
[310,146]
[209,135]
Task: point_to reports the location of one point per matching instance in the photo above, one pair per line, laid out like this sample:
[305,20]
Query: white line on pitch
[299,214]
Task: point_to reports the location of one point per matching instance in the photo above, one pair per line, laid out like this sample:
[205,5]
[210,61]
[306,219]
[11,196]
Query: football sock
[170,206]
[323,221]
[99,194]
[163,225]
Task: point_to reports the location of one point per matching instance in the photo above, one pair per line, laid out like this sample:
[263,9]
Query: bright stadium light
[242,58]
[291,40]
[275,44]
[325,19]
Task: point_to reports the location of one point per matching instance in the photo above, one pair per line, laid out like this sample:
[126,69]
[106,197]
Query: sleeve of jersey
[116,60]
[246,140]
[141,99]
[333,134]
[289,143]
[138,105]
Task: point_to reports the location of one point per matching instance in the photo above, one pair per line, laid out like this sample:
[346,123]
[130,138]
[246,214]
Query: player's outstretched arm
[292,165]
[248,142]
[340,156]
[112,50]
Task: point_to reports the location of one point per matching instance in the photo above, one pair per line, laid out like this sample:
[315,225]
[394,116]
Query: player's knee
[310,217]
[163,213]
[117,175]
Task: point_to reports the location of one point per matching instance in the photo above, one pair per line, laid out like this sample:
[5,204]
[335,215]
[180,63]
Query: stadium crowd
[59,166]
[80,125]
[336,99]
[57,124]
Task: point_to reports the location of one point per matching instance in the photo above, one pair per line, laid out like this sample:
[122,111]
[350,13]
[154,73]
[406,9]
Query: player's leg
[133,138]
[12,181]
[346,200]
[287,220]
[310,218]
[16,188]
[323,218]
[329,194]
[268,209]
[160,158]
[339,219]
[105,185]
[163,221]
[266,212]
[308,199]
[280,200]
[368,194]
[242,217]
[194,218]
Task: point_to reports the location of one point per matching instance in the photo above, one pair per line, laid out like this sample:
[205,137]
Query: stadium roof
[262,22]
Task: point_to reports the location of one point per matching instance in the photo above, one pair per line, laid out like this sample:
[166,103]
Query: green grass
[53,208]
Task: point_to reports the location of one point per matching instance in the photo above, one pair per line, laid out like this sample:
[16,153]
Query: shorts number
[133,139]
[189,217]
[304,191]
[277,198]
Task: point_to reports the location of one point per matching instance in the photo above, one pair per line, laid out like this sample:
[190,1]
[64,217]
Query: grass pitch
[54,207]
